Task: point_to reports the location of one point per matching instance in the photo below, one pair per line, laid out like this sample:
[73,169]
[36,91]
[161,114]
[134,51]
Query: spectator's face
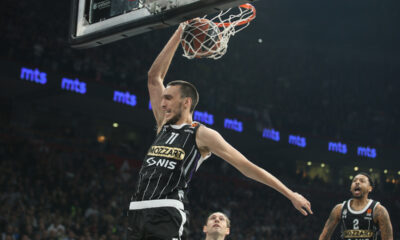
[25,237]
[37,236]
[41,224]
[71,234]
[360,186]
[9,229]
[29,228]
[217,225]
[52,234]
[57,222]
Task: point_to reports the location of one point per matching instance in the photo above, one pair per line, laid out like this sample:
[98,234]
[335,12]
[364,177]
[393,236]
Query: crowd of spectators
[319,87]
[64,188]
[59,187]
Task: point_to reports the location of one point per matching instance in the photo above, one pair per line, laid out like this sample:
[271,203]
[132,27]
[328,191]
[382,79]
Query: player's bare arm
[381,216]
[157,73]
[209,140]
[331,223]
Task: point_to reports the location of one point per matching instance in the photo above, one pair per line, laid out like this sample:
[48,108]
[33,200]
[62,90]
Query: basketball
[201,37]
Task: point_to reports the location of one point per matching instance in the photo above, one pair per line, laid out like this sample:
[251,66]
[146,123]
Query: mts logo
[337,147]
[298,141]
[233,124]
[271,134]
[73,85]
[33,75]
[366,152]
[204,117]
[125,98]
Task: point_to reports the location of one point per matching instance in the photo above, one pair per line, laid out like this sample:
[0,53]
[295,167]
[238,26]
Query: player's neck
[216,237]
[184,120]
[359,203]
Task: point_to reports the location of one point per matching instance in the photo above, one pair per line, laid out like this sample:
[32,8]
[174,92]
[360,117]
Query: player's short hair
[371,182]
[228,221]
[187,90]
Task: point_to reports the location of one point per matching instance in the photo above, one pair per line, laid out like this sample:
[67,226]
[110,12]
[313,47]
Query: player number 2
[355,224]
[172,138]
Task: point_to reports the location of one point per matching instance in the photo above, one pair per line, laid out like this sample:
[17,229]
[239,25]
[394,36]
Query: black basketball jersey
[169,164]
[359,225]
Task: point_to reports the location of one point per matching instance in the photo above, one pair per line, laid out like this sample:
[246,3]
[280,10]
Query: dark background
[327,71]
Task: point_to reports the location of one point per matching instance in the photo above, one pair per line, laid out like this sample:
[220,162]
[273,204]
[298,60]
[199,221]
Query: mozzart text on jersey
[358,233]
[168,152]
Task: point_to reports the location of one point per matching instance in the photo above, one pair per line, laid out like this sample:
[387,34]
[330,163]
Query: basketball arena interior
[309,91]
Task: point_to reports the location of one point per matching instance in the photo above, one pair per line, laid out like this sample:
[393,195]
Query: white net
[208,37]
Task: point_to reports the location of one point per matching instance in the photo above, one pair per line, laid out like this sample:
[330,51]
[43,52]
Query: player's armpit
[211,140]
[331,223]
[381,216]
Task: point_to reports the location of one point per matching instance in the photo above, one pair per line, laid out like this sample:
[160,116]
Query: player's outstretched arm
[157,73]
[381,216]
[331,223]
[210,140]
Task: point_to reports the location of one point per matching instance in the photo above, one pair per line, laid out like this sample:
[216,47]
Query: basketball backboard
[98,22]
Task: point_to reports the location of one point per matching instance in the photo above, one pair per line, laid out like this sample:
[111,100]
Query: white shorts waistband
[156,203]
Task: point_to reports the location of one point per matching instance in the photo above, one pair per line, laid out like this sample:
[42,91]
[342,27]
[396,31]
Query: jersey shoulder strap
[195,126]
[192,128]
[344,210]
[372,207]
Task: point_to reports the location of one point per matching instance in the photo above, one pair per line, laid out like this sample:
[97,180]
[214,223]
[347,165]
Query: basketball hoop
[246,15]
[199,42]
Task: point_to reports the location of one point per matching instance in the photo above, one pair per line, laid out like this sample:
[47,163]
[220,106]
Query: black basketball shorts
[163,219]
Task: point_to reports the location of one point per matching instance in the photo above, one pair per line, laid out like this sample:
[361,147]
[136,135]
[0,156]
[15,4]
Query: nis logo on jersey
[358,233]
[161,163]
[167,152]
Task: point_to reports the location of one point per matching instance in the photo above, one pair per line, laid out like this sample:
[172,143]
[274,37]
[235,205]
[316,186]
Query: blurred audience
[61,191]
[64,186]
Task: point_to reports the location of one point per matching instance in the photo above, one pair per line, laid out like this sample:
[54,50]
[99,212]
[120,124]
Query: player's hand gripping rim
[182,25]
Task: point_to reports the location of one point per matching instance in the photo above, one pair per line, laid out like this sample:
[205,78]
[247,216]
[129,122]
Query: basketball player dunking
[360,217]
[157,208]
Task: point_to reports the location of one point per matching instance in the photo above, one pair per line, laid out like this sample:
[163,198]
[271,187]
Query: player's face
[172,104]
[216,225]
[360,186]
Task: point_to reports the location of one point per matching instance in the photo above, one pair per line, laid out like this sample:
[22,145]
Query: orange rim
[244,21]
